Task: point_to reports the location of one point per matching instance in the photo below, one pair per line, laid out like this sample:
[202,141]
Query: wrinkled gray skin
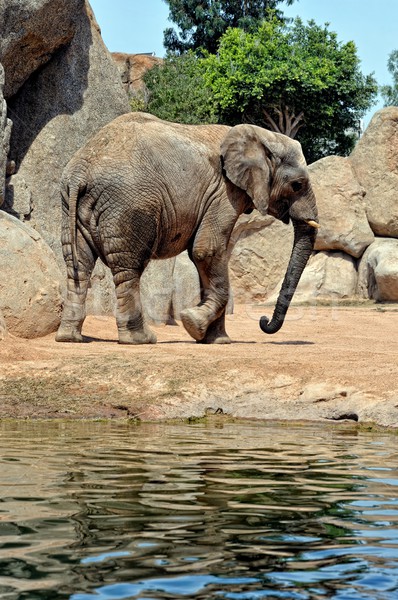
[143,188]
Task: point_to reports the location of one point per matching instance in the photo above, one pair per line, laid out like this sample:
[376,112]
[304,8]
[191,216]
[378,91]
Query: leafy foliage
[298,80]
[177,91]
[138,102]
[390,92]
[201,24]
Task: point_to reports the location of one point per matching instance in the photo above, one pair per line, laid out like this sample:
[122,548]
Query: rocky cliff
[132,68]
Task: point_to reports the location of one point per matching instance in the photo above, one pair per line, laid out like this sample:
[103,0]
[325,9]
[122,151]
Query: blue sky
[135,26]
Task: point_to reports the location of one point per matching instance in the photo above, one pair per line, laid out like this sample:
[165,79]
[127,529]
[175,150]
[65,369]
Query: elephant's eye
[297,186]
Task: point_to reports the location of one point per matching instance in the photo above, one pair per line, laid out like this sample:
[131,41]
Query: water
[101,511]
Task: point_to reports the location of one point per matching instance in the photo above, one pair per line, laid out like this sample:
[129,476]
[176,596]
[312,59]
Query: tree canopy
[390,92]
[178,92]
[295,79]
[200,25]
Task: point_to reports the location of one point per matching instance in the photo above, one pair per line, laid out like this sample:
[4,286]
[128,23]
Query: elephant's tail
[72,191]
[73,197]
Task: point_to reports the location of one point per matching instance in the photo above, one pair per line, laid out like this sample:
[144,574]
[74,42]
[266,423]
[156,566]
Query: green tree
[294,79]
[178,92]
[201,24]
[390,92]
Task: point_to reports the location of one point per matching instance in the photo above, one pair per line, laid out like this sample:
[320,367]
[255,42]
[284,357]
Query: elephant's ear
[249,161]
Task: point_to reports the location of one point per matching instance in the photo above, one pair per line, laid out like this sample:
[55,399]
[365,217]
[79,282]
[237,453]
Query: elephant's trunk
[304,240]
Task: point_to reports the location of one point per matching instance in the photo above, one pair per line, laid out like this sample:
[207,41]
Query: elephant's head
[271,169]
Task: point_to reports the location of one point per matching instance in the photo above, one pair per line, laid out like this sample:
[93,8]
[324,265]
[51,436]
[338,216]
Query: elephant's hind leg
[127,253]
[74,311]
[129,316]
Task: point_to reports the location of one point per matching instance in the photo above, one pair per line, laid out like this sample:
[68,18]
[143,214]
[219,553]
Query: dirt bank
[327,363]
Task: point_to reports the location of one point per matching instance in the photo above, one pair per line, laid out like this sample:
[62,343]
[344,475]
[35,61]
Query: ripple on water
[233,511]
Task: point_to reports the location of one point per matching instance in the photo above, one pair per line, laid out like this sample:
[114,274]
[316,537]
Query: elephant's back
[137,148]
[137,132]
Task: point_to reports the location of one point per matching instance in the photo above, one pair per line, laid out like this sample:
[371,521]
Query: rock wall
[375,163]
[31,32]
[5,133]
[55,111]
[132,68]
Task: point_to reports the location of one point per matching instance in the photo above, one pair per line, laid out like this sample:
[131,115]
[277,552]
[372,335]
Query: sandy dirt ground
[325,364]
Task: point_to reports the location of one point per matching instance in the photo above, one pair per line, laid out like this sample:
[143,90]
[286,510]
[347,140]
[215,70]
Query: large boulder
[375,163]
[341,208]
[132,68]
[260,251]
[328,277]
[58,108]
[55,108]
[378,271]
[168,287]
[5,131]
[31,32]
[30,295]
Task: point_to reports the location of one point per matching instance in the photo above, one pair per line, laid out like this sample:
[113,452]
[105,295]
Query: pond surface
[102,511]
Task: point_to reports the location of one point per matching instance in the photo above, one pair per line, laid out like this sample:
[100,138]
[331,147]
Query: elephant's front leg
[129,315]
[206,322]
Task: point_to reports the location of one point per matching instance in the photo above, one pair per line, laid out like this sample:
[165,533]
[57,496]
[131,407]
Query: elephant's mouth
[280,210]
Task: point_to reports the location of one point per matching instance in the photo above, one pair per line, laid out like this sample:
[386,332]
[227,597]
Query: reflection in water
[94,511]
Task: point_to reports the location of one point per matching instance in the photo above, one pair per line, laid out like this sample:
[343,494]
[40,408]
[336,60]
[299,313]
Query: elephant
[143,188]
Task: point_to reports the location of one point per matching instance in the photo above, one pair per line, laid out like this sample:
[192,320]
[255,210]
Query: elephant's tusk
[313,224]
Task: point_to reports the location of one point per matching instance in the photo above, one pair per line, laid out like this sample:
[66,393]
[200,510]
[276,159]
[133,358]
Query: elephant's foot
[216,339]
[142,336]
[68,334]
[216,333]
[195,322]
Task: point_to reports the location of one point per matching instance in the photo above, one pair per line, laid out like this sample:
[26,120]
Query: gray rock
[341,207]
[30,295]
[167,287]
[260,251]
[157,290]
[375,163]
[132,68]
[101,297]
[378,271]
[18,200]
[3,327]
[186,285]
[328,276]
[5,132]
[31,32]
[56,111]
